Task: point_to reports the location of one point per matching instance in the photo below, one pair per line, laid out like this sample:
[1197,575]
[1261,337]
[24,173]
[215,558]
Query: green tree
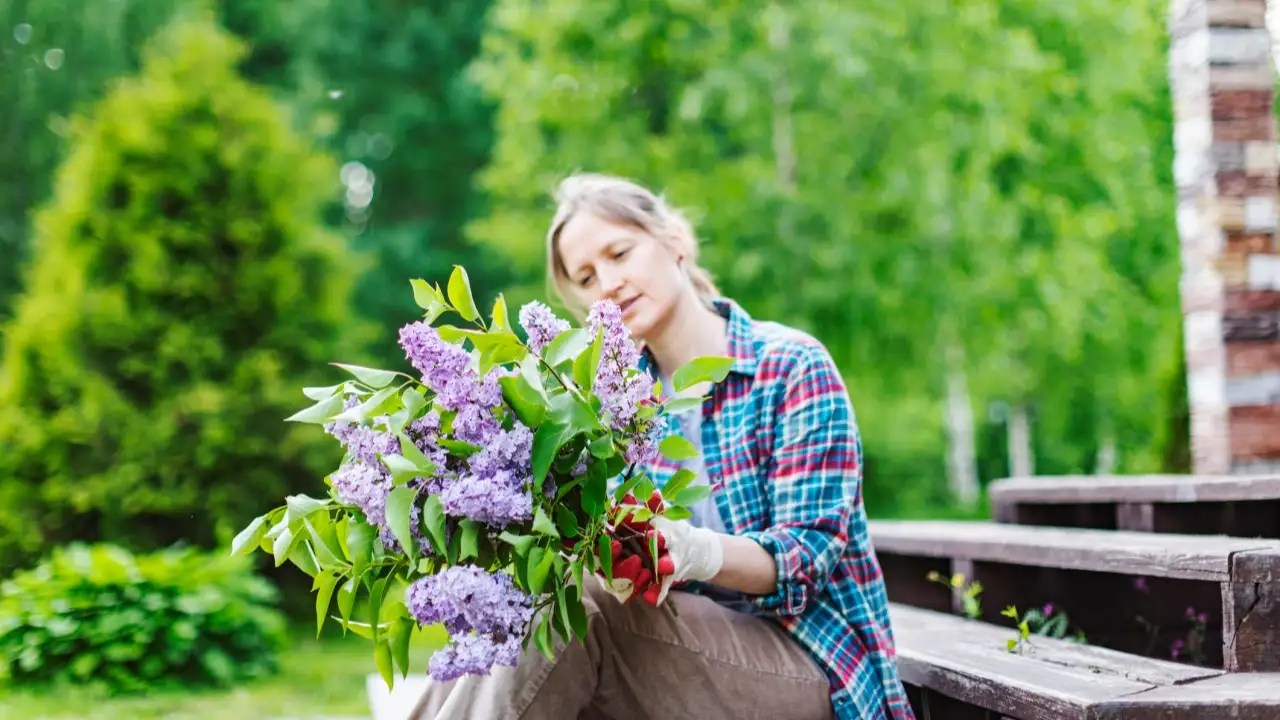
[182,289]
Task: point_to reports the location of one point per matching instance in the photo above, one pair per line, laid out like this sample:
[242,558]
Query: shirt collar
[742,347]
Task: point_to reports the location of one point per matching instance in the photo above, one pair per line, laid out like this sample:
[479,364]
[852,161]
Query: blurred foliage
[100,616]
[181,291]
[993,175]
[991,178]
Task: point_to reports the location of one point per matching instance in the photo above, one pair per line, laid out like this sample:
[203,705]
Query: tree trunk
[1022,459]
[962,475]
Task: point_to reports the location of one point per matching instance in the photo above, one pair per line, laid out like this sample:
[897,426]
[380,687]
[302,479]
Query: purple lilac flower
[1048,610]
[540,324]
[619,391]
[473,655]
[467,600]
[644,442]
[445,367]
[496,500]
[493,490]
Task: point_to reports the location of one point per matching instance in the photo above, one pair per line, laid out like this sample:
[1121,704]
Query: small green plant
[100,615]
[1192,647]
[1014,645]
[1050,622]
[969,593]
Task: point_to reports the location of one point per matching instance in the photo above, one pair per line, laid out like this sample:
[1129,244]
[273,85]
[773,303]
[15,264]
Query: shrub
[99,614]
[182,286]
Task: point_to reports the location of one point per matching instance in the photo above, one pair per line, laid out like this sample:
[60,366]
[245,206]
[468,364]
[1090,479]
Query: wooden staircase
[1174,582]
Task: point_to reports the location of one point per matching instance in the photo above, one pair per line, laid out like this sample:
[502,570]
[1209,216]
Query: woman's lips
[628,304]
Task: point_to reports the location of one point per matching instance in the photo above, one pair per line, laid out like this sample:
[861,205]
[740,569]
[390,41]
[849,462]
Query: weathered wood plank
[1134,489]
[1190,557]
[1239,696]
[968,660]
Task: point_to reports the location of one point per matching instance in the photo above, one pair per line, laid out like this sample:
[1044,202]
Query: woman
[783,612]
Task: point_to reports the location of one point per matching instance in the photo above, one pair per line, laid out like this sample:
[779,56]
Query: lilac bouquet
[476,492]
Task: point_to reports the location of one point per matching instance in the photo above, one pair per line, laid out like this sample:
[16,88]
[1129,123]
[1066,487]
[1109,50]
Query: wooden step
[959,669]
[1238,505]
[1134,592]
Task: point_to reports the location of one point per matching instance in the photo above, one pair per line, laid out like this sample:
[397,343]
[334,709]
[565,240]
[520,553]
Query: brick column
[1226,171]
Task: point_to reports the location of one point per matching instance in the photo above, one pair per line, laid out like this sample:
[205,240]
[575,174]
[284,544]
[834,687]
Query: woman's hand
[685,553]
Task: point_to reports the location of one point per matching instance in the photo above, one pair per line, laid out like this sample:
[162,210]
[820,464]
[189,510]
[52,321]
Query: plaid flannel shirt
[784,458]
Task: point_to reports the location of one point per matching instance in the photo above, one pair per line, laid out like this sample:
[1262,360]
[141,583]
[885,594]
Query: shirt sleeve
[814,479]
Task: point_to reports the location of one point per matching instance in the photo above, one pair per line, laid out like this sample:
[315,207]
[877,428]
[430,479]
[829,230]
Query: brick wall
[1226,170]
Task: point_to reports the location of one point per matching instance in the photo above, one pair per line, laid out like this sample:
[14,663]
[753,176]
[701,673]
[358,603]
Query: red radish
[627,568]
[662,539]
[651,594]
[666,566]
[655,501]
[644,579]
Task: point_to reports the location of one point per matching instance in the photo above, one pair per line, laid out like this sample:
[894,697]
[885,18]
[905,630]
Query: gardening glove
[685,553]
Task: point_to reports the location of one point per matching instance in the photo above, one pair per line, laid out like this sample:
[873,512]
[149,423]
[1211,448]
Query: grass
[317,677]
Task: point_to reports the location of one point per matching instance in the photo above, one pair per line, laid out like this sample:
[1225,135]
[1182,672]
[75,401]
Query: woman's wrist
[747,566]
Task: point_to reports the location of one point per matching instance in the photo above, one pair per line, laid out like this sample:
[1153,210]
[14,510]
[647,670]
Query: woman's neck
[694,330]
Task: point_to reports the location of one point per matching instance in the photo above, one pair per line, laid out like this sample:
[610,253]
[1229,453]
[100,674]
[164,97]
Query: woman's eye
[618,255]
[585,280]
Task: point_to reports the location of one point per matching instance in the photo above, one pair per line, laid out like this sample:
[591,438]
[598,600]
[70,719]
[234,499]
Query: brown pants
[640,662]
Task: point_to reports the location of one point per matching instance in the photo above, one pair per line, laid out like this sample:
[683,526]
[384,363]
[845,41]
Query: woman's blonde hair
[624,202]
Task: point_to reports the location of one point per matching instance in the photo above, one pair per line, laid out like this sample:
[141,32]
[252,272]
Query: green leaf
[470,539]
[247,539]
[320,413]
[300,506]
[644,488]
[602,447]
[399,518]
[674,447]
[360,538]
[414,455]
[604,552]
[413,400]
[429,299]
[547,441]
[433,521]
[501,320]
[542,638]
[347,599]
[677,513]
[540,561]
[281,547]
[320,393]
[460,294]
[324,554]
[628,486]
[1011,644]
[710,368]
[566,346]
[377,593]
[565,522]
[543,524]
[520,543]
[401,634]
[367,631]
[457,447]
[530,410]
[683,404]
[325,585]
[371,407]
[588,363]
[382,657]
[692,494]
[372,377]
[595,492]
[301,555]
[568,410]
[402,468]
[678,482]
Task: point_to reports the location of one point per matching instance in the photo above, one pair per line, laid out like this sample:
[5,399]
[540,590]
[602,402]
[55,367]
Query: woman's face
[623,263]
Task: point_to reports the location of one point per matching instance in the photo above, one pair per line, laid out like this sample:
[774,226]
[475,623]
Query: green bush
[182,287]
[98,614]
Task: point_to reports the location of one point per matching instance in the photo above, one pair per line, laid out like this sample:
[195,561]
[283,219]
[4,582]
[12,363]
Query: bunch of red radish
[632,549]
